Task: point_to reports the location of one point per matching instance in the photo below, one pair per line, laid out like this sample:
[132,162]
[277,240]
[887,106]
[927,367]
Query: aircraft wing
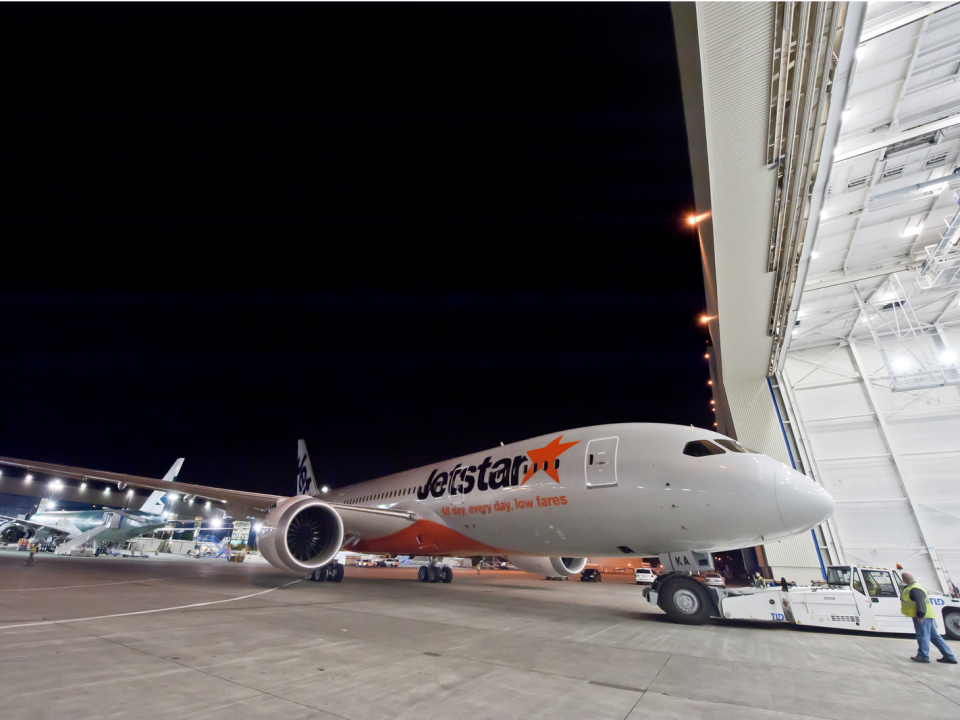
[241,503]
[39,526]
[361,522]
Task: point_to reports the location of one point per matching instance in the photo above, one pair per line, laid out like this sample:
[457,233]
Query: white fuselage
[624,489]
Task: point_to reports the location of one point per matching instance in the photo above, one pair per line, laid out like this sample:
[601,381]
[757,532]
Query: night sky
[403,233]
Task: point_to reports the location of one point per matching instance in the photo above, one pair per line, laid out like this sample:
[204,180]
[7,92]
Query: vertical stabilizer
[154,504]
[306,480]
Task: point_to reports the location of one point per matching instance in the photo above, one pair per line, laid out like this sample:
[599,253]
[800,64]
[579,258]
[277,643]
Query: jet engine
[300,534]
[13,532]
[550,566]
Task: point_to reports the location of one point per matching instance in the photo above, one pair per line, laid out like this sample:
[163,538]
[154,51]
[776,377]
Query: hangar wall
[758,426]
[889,459]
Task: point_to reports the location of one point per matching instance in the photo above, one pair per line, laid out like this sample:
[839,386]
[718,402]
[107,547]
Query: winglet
[306,480]
[154,504]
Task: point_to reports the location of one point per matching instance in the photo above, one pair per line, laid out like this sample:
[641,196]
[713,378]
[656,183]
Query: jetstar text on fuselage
[492,475]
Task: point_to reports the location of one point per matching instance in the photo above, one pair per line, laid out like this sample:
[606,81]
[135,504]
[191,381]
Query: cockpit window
[701,448]
[733,445]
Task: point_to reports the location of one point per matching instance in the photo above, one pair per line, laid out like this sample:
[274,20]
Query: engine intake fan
[301,534]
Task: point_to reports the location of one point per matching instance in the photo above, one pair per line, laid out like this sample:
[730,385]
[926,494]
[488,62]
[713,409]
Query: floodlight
[324,489]
[814,255]
[257,527]
[27,479]
[901,364]
[948,358]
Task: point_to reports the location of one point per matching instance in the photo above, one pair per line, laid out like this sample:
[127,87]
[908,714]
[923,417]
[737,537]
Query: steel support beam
[904,483]
[828,531]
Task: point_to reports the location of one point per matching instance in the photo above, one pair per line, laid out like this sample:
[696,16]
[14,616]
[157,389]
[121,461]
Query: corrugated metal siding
[758,427]
[755,418]
[795,552]
[736,45]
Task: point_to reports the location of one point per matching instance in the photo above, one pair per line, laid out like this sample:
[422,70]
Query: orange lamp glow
[709,382]
[707,356]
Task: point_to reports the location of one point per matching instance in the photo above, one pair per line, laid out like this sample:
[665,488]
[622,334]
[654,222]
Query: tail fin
[154,504]
[306,480]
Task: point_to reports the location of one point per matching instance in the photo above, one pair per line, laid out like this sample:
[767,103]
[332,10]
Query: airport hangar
[835,395]
[825,181]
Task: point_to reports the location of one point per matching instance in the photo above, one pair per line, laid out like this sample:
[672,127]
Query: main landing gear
[435,573]
[332,572]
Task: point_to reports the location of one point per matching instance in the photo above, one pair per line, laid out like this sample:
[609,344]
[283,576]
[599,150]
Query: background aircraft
[106,526]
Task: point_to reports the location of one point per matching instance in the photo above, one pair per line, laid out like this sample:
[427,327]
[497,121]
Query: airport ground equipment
[861,598]
[214,546]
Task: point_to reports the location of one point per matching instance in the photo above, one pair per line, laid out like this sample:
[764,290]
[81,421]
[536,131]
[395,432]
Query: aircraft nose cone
[802,503]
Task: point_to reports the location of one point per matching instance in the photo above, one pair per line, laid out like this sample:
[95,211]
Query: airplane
[548,503]
[65,525]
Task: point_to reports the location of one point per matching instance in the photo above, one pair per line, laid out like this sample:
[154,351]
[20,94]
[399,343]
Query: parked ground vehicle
[391,562]
[590,575]
[645,576]
[713,578]
[865,599]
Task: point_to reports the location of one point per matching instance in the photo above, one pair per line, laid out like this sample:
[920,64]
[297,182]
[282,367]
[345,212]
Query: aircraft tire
[319,575]
[337,573]
[684,601]
[433,574]
[422,573]
[446,574]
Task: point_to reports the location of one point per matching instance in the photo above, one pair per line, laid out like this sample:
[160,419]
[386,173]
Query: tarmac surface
[167,637]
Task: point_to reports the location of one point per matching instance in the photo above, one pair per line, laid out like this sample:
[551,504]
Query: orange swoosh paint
[425,537]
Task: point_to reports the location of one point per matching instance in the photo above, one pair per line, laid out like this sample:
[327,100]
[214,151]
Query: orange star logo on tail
[545,458]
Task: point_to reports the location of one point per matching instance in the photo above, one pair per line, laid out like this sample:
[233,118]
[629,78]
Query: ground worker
[758,581]
[32,551]
[915,603]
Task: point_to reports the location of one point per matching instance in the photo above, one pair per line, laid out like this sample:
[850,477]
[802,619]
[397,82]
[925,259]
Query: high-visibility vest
[909,608]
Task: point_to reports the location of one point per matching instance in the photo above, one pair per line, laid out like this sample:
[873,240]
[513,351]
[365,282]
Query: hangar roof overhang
[809,179]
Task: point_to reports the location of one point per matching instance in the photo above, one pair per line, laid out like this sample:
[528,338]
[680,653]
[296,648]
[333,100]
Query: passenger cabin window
[556,463]
[701,448]
[590,461]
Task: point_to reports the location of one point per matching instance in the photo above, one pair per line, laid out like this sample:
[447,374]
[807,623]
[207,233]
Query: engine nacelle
[13,532]
[550,566]
[300,534]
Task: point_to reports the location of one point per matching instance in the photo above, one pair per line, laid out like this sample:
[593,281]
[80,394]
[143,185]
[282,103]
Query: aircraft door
[600,463]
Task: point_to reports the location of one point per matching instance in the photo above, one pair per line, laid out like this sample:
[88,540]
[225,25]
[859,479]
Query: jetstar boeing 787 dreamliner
[547,503]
